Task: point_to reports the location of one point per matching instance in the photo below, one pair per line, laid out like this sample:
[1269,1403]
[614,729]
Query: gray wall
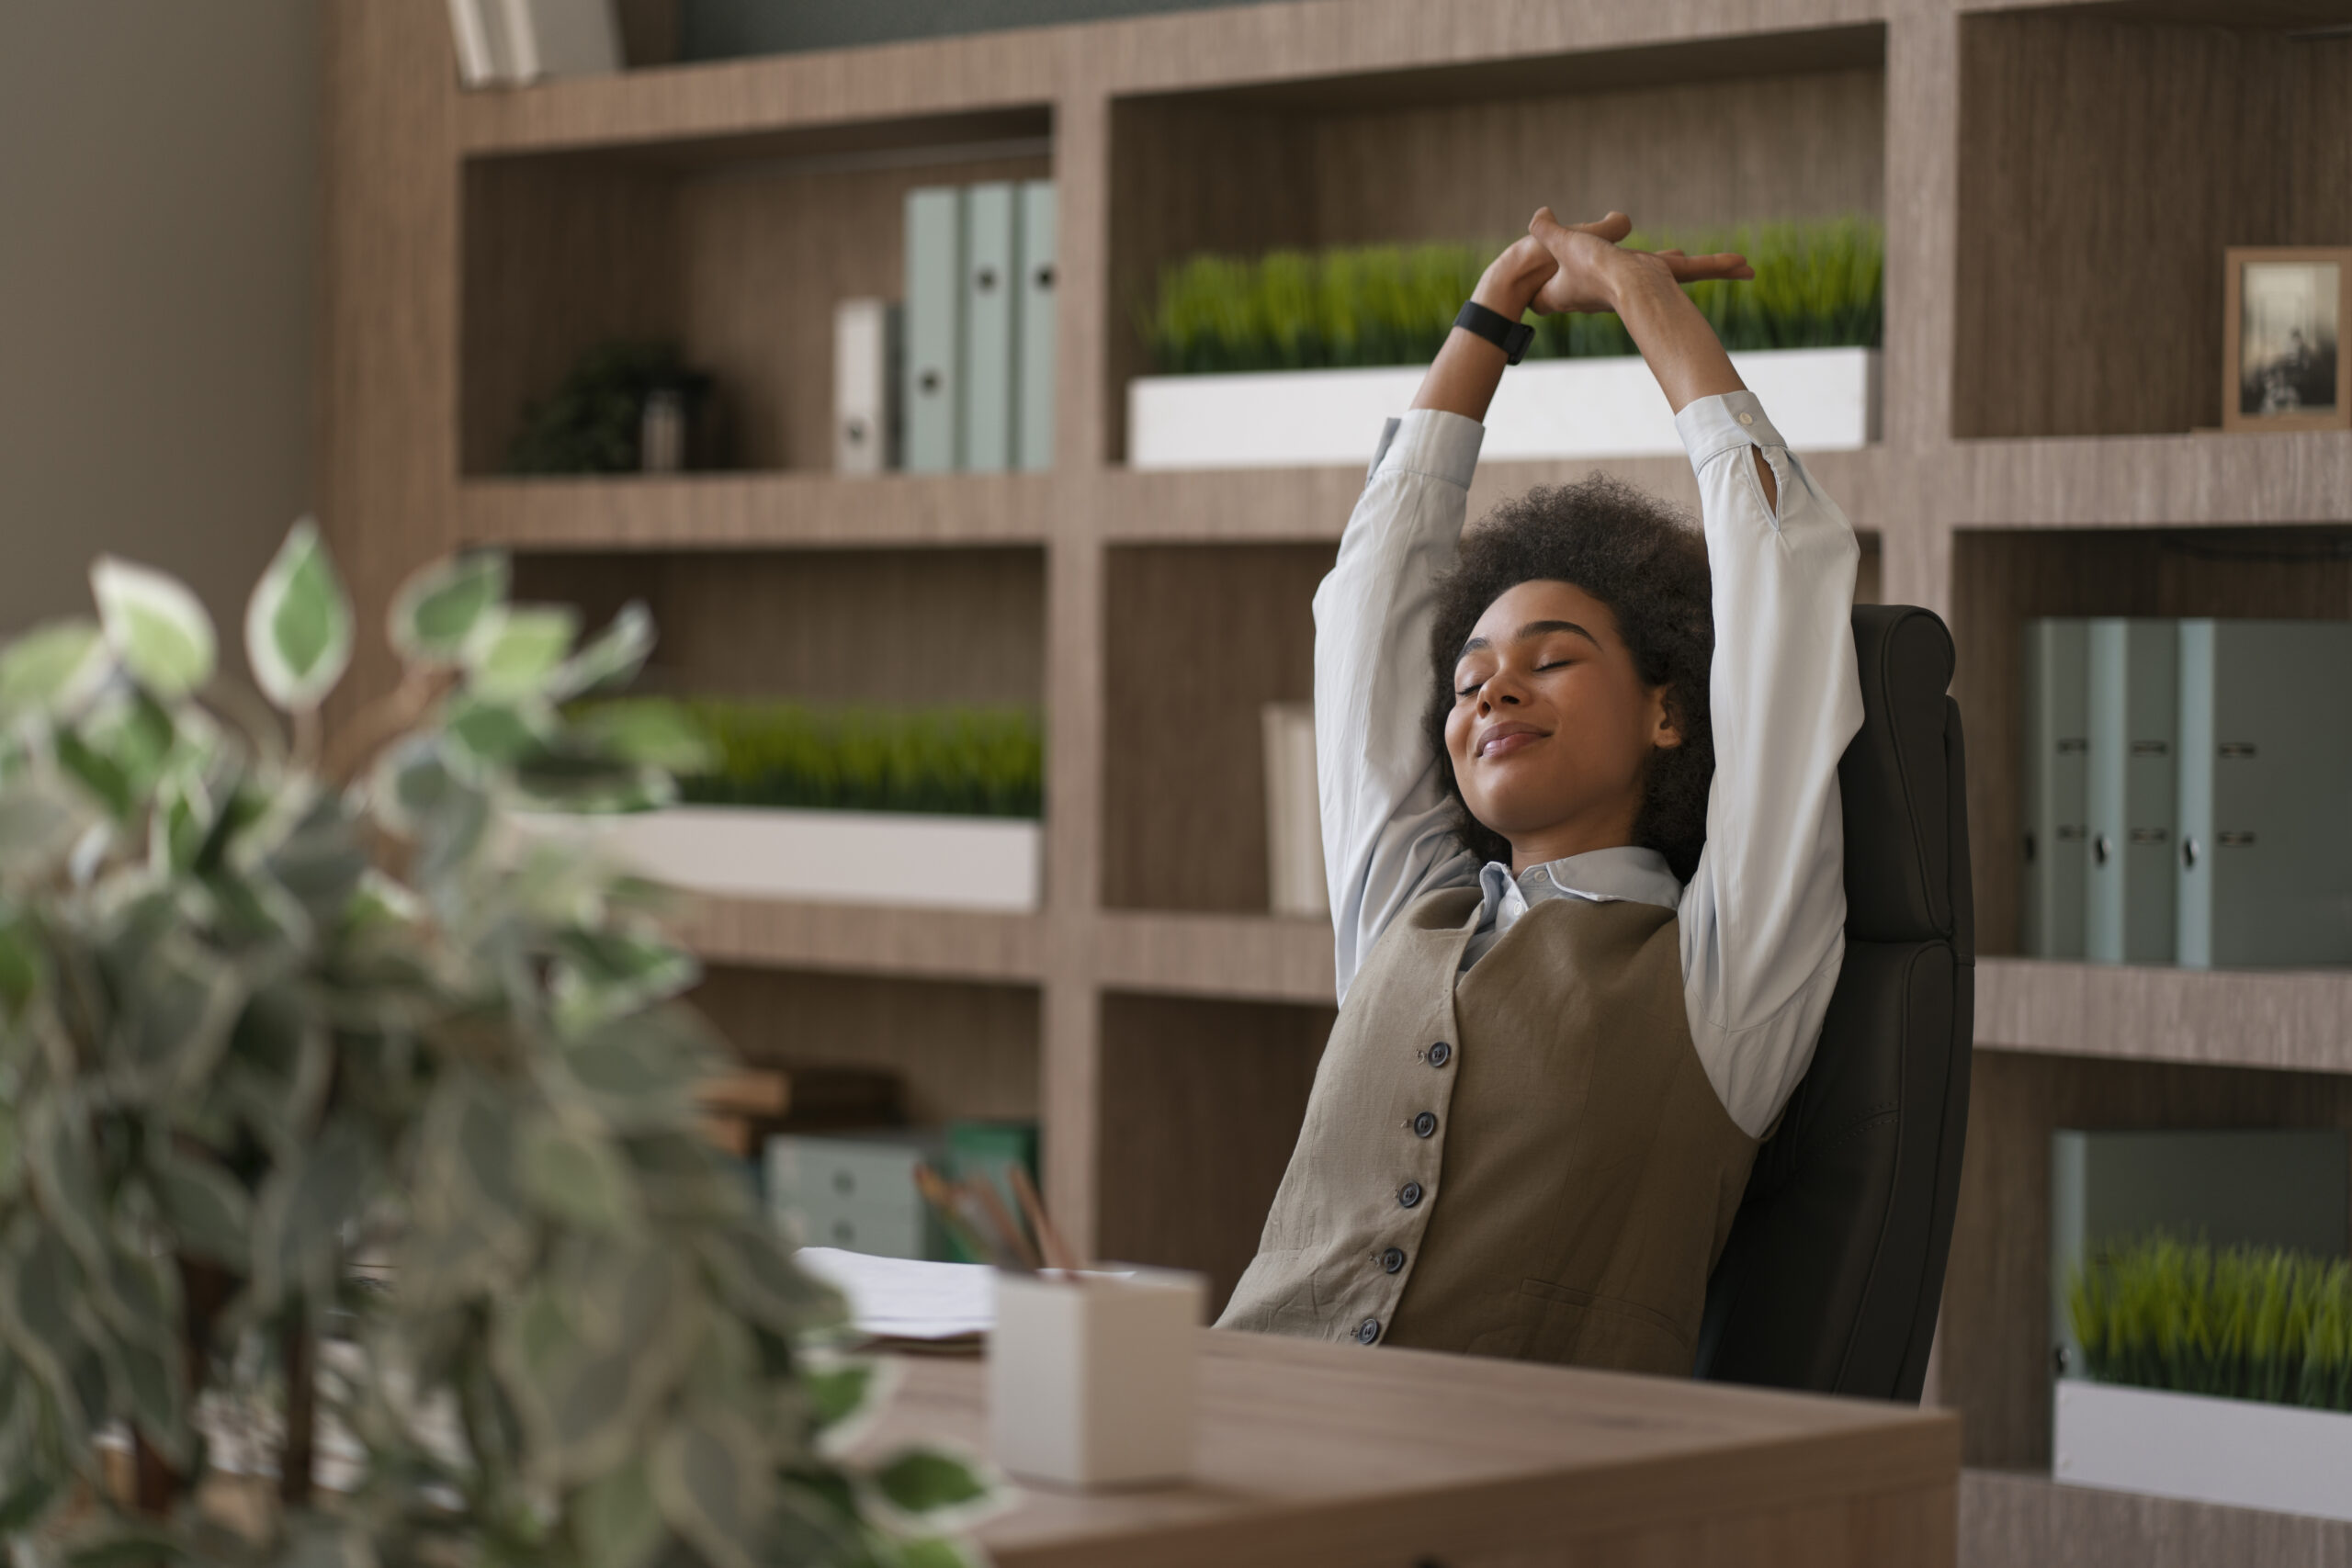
[718,29]
[158,254]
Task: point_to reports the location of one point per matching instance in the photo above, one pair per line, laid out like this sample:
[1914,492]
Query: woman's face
[1551,728]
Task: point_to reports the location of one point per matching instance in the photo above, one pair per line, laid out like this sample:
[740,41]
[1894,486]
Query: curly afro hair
[1648,564]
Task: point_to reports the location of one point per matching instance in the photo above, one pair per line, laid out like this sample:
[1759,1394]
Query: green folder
[2055,840]
[2131,777]
[989,281]
[1033,430]
[932,397]
[2264,871]
[990,1150]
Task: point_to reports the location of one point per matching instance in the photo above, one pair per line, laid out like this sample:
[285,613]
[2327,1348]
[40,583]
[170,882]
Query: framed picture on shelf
[2284,313]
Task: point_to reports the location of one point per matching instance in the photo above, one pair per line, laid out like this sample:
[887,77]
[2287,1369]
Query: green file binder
[989,281]
[932,399]
[1032,427]
[989,1150]
[2264,872]
[2055,842]
[2259,1188]
[2134,706]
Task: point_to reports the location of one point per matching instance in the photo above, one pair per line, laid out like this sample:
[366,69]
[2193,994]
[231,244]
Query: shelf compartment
[755,510]
[735,249]
[2001,578]
[2024,1520]
[961,1048]
[1201,1105]
[1197,639]
[2298,1019]
[896,628]
[2091,223]
[1239,957]
[1993,1335]
[1451,153]
[2139,481]
[839,938]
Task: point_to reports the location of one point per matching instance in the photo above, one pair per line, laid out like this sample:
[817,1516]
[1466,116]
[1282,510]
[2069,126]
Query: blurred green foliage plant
[1818,285]
[592,422]
[978,761]
[270,1009]
[2234,1323]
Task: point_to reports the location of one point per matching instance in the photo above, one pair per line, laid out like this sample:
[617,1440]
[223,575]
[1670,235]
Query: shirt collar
[1624,875]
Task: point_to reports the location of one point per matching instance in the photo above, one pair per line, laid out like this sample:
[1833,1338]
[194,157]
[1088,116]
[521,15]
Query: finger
[1544,224]
[1613,228]
[1722,263]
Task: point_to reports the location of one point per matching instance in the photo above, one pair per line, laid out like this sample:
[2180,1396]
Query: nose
[1499,691]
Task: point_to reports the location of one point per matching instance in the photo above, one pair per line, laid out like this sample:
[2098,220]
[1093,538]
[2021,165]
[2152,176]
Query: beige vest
[1526,1161]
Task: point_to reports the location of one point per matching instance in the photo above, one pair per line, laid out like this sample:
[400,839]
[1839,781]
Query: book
[932,392]
[988,1151]
[479,27]
[2264,872]
[561,37]
[2057,743]
[2254,1187]
[2131,777]
[1033,370]
[1294,878]
[989,220]
[865,384]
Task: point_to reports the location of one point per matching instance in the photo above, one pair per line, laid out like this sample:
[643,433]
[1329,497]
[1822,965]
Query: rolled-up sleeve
[1763,917]
[1387,833]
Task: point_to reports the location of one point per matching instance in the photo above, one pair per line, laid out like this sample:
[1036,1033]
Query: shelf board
[951,944]
[1240,957]
[2024,1520]
[774,510]
[2152,482]
[2297,1018]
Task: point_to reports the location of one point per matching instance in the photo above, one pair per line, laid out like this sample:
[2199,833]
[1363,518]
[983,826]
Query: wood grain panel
[2091,224]
[917,627]
[959,1049]
[697,512]
[2297,1018]
[1201,1105]
[2001,580]
[922,943]
[1995,1325]
[2017,1520]
[1196,640]
[2141,482]
[1260,958]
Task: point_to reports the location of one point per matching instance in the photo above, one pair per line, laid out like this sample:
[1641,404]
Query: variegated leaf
[298,623]
[156,628]
[436,610]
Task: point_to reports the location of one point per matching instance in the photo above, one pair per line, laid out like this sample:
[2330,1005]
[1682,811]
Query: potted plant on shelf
[2219,1376]
[936,807]
[1294,359]
[345,1133]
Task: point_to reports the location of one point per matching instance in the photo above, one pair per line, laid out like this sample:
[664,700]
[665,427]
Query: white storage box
[2241,1452]
[1091,1376]
[1822,399]
[847,857]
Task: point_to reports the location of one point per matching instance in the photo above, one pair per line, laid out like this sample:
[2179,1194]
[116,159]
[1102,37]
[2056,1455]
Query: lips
[1505,738]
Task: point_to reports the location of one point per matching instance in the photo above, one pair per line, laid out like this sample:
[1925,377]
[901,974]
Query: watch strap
[1511,337]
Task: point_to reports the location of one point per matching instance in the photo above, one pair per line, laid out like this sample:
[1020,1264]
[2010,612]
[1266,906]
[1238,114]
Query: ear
[1665,725]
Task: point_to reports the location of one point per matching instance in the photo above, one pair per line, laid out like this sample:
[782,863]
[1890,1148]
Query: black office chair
[1835,1265]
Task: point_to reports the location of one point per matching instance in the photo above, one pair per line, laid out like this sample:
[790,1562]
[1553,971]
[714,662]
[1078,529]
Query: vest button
[1410,1194]
[1392,1261]
[1424,1124]
[1367,1331]
[1440,1053]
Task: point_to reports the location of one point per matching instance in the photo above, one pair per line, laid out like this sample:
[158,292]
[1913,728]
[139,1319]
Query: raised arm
[1763,919]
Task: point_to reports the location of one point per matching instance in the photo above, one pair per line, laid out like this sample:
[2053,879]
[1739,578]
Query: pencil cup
[1091,1376]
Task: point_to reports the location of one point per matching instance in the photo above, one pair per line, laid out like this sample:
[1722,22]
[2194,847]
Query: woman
[1586,871]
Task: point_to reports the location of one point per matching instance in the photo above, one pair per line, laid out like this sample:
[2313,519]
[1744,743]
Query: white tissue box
[1091,1377]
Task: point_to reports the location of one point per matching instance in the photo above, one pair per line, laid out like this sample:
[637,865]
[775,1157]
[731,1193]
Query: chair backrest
[1832,1275]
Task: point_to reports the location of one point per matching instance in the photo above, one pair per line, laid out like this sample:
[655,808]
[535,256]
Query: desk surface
[1310,1453]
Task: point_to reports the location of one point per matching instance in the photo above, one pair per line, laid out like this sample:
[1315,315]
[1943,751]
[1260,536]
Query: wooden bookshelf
[2057,182]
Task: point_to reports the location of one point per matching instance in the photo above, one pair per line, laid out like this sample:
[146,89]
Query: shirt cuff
[1711,426]
[1430,441]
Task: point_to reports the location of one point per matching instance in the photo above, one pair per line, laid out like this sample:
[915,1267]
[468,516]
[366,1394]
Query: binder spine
[864,381]
[1034,372]
[2055,846]
[989,287]
[932,392]
[2133,714]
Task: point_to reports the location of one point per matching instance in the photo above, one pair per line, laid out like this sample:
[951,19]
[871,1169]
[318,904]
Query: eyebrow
[1534,628]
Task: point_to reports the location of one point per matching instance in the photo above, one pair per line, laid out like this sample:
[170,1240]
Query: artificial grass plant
[1818,285]
[970,762]
[2234,1323]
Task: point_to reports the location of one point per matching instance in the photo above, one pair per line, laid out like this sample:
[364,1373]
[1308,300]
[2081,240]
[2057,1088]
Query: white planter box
[1822,399]
[2248,1455]
[845,857]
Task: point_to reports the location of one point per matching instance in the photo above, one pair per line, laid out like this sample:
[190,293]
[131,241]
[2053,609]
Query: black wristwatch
[1511,337]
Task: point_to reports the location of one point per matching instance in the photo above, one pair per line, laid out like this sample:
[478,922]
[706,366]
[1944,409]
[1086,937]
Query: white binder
[864,387]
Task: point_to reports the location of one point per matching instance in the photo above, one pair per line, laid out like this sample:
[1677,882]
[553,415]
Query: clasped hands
[1562,267]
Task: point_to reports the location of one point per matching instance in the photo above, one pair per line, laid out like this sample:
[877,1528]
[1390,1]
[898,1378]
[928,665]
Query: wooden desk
[1312,1454]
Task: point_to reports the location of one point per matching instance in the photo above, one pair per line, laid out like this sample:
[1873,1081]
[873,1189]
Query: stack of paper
[901,1298]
